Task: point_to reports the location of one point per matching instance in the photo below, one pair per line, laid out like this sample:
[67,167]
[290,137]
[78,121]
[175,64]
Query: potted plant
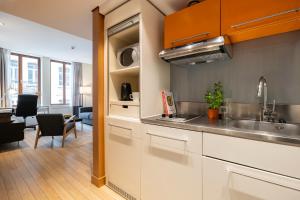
[215,99]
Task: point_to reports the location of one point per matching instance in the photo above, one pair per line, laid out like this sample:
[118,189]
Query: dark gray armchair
[54,125]
[27,107]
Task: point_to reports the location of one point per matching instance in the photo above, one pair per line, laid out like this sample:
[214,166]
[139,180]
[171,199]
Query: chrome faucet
[262,92]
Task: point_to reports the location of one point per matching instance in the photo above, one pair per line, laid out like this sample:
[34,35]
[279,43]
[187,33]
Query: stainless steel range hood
[201,52]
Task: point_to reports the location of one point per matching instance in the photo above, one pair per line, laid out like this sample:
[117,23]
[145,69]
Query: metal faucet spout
[262,93]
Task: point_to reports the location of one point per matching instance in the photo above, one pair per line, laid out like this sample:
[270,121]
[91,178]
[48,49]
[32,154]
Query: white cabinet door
[276,158]
[227,181]
[169,170]
[124,159]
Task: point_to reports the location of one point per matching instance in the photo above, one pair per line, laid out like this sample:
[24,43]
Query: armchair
[27,107]
[54,125]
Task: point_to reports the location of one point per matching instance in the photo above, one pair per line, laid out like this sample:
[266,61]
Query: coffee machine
[126,92]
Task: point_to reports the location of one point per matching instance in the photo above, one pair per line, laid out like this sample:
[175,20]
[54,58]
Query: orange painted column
[98,171]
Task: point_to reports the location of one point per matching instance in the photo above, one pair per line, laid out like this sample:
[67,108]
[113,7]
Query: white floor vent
[120,191]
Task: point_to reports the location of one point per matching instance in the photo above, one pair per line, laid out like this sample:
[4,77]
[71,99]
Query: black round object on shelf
[126,58]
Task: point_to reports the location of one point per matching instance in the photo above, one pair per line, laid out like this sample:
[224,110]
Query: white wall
[87,80]
[45,81]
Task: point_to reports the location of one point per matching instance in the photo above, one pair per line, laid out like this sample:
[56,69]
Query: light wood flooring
[50,172]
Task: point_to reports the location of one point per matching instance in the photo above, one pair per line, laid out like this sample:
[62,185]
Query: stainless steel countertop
[225,127]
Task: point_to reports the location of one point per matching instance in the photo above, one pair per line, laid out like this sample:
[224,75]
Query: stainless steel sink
[281,128]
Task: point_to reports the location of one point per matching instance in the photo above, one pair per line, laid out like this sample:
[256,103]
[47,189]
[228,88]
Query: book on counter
[168,103]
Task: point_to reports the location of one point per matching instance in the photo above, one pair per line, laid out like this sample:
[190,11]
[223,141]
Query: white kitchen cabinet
[243,169]
[123,156]
[227,181]
[276,158]
[171,164]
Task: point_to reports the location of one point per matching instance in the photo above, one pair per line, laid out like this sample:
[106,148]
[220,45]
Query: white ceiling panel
[71,16]
[28,37]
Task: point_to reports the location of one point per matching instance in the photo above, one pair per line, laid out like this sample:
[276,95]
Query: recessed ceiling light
[2,24]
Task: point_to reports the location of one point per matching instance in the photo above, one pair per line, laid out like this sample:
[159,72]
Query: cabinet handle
[263,178]
[168,137]
[269,24]
[120,127]
[188,38]
[183,140]
[266,17]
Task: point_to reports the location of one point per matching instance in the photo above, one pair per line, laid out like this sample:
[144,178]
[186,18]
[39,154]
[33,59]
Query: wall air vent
[120,191]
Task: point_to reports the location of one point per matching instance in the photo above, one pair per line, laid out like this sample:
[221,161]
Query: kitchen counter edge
[227,130]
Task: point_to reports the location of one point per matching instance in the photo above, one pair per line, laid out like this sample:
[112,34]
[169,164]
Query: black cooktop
[178,117]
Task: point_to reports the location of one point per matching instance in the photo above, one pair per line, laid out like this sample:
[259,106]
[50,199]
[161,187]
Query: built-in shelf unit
[122,35]
[129,71]
[135,22]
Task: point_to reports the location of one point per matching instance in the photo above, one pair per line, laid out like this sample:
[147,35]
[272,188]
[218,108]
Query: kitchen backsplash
[277,58]
[289,113]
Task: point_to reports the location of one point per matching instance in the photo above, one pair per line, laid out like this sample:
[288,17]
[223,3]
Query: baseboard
[98,181]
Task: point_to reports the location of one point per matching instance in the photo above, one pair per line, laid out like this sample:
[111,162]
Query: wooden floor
[50,172]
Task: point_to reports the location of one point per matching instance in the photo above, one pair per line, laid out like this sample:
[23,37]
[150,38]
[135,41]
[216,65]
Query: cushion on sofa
[84,115]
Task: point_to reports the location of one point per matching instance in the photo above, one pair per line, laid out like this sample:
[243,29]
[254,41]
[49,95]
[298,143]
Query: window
[25,76]
[61,82]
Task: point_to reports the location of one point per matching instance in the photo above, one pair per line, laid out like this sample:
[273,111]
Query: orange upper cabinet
[195,23]
[249,19]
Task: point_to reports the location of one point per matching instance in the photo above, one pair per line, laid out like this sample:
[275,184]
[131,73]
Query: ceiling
[72,16]
[50,27]
[24,36]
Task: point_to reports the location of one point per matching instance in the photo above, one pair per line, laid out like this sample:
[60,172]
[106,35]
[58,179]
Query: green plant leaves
[215,97]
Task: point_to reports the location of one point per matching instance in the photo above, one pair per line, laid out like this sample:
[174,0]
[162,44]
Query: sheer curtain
[77,82]
[4,67]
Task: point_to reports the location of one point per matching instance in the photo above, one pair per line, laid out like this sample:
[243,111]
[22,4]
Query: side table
[76,119]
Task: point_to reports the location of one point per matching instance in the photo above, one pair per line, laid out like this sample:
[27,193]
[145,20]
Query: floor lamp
[83,91]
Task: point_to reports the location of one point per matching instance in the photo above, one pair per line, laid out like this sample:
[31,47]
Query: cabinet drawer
[177,140]
[125,110]
[198,22]
[281,159]
[120,131]
[227,181]
[124,127]
[244,20]
[170,171]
